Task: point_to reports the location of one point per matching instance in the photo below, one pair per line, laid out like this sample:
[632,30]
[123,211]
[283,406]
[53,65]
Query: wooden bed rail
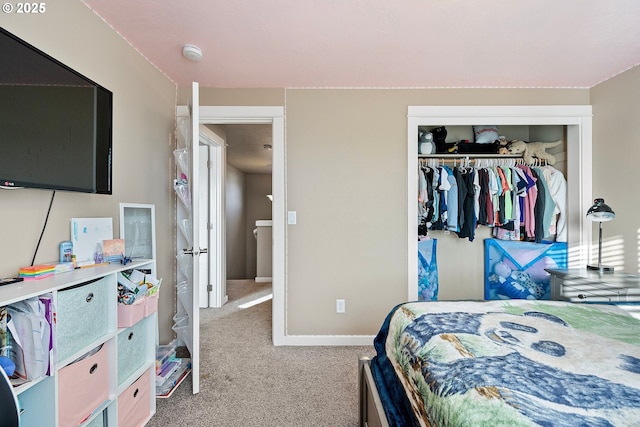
[371,410]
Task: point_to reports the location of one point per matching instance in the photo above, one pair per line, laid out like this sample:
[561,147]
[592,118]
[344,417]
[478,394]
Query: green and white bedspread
[515,363]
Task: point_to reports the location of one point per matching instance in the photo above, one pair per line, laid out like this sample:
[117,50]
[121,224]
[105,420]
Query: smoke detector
[192,53]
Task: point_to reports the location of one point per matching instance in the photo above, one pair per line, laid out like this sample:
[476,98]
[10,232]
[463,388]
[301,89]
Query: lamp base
[602,268]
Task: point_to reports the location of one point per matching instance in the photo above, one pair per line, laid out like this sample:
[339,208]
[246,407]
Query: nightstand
[582,285]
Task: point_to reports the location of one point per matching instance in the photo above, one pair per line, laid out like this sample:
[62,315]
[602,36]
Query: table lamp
[600,212]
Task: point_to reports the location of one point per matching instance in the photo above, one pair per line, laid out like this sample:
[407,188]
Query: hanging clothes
[558,189]
[468,213]
[518,201]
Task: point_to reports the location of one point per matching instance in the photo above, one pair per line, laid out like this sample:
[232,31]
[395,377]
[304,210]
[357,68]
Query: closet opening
[460,261]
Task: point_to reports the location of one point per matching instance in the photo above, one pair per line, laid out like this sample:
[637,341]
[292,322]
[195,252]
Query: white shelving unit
[117,381]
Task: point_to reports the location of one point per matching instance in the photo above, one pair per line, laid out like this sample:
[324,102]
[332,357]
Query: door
[188,249]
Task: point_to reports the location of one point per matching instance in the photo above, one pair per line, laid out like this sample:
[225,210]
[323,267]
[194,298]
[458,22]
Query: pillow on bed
[485,134]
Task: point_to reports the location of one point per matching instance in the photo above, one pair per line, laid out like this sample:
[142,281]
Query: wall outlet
[340,307]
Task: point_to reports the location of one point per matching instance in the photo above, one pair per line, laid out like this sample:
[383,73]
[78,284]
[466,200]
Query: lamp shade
[600,211]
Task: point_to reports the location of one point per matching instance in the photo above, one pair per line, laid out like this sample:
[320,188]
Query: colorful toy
[516,284]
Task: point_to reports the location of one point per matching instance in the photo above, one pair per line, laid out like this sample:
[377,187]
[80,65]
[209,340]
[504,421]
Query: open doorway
[231,124]
[248,187]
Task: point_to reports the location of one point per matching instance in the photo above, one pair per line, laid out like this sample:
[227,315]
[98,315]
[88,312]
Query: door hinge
[209,288]
[209,164]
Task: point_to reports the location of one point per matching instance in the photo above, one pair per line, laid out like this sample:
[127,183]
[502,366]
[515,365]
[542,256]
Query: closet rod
[469,156]
[504,160]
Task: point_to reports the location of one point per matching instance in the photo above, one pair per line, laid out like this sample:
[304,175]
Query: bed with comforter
[503,363]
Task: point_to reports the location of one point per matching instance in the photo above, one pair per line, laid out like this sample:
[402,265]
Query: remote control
[10,280]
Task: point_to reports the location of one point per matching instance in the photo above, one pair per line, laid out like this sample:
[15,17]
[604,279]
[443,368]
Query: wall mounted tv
[55,124]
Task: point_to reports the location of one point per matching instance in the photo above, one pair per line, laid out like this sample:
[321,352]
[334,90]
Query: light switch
[291,217]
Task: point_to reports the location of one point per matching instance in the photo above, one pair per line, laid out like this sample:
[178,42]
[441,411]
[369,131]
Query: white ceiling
[382,43]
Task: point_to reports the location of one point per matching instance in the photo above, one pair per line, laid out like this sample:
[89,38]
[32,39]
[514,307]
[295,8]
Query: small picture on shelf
[113,250]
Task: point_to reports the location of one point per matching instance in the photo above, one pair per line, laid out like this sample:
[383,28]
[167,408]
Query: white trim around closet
[576,118]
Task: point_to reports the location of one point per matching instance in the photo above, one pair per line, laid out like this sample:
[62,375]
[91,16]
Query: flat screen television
[55,124]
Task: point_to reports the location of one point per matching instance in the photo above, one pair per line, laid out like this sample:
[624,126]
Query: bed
[503,363]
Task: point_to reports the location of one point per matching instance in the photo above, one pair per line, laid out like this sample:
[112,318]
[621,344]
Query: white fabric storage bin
[82,316]
[132,343]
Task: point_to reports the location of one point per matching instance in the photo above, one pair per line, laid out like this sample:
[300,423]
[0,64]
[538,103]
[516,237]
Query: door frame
[274,115]
[216,161]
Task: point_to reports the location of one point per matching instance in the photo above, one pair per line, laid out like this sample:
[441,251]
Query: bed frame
[371,410]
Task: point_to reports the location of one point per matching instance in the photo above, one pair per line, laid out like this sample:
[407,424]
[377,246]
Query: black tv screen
[55,124]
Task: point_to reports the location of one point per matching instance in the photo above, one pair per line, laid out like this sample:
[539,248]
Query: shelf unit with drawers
[102,374]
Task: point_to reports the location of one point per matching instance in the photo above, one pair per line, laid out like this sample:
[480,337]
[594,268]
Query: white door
[193,218]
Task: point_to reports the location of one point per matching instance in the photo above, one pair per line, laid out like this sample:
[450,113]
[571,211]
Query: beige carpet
[246,381]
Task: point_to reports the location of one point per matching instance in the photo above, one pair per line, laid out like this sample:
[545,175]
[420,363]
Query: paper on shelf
[87,234]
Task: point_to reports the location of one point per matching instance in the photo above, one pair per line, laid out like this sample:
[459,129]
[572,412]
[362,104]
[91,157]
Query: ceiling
[246,147]
[382,43]
[376,43]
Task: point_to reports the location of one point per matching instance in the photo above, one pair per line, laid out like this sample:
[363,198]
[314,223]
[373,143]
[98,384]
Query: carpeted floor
[246,381]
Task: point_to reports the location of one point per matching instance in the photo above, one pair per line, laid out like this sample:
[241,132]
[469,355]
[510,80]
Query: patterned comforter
[509,363]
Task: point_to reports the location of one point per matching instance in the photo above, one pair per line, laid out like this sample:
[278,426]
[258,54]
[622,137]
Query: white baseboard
[327,340]
[263,279]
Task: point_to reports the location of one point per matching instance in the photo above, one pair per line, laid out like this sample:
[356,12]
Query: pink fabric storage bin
[82,387]
[129,315]
[134,404]
[151,305]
